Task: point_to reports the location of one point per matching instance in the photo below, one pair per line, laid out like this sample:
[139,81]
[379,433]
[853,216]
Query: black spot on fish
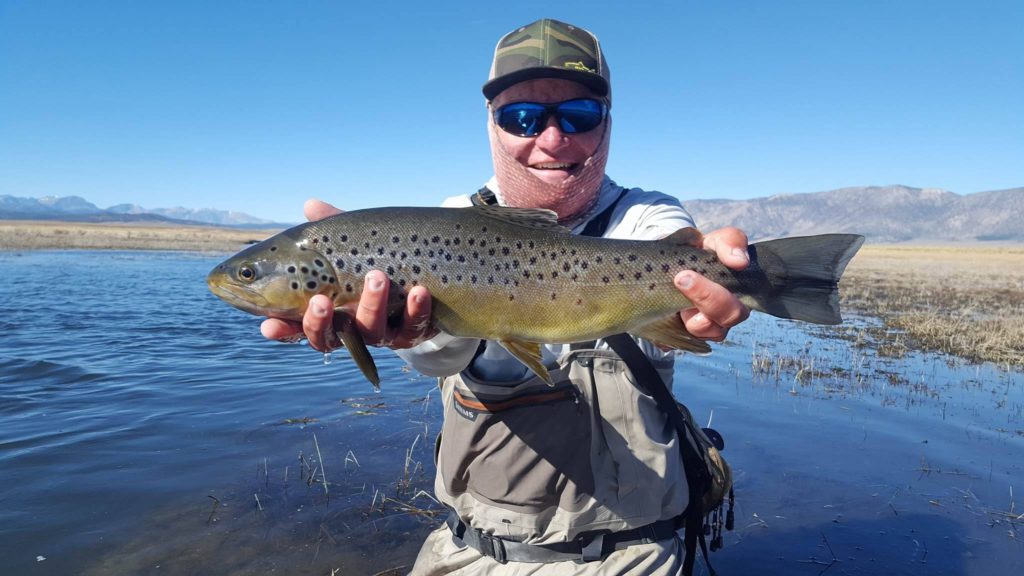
[380,251]
[511,297]
[316,240]
[340,263]
[447,257]
[447,242]
[637,275]
[651,287]
[348,287]
[484,229]
[295,285]
[515,263]
[291,269]
[491,252]
[693,257]
[391,270]
[332,280]
[483,243]
[554,256]
[370,261]
[373,232]
[648,267]
[702,271]
[402,282]
[444,278]
[605,279]
[540,276]
[366,245]
[497,239]
[413,237]
[402,255]
[319,262]
[497,267]
[461,258]
[617,260]
[665,267]
[723,274]
[473,278]
[554,274]
[476,255]
[415,269]
[393,253]
[598,259]
[526,273]
[519,245]
[622,276]
[433,267]
[490,279]
[533,259]
[505,251]
[458,277]
[584,265]
[311,284]
[579,301]
[394,239]
[530,245]
[305,270]
[575,276]
[573,252]
[430,253]
[632,257]
[354,252]
[435,239]
[416,252]
[344,237]
[273,248]
[565,266]
[554,295]
[457,241]
[330,251]
[323,277]
[359,268]
[458,226]
[471,241]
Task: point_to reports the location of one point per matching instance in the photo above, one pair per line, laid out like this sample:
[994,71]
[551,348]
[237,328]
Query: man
[584,477]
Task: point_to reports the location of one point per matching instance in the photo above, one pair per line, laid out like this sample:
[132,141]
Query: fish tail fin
[803,273]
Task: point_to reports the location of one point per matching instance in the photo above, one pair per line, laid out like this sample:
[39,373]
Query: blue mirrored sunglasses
[530,118]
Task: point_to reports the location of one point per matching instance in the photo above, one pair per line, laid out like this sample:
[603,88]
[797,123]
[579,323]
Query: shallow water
[148,428]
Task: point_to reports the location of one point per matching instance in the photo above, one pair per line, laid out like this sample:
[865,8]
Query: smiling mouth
[567,166]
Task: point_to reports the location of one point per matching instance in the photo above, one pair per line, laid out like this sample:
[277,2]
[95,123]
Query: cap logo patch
[578,66]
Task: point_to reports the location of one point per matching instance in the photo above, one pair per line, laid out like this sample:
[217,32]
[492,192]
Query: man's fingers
[730,245]
[275,329]
[316,322]
[698,325]
[715,304]
[371,314]
[416,319]
[318,210]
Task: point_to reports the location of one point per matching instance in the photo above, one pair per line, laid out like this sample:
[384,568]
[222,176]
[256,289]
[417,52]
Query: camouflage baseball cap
[548,49]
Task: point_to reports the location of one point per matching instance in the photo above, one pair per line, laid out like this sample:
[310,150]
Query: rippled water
[148,428]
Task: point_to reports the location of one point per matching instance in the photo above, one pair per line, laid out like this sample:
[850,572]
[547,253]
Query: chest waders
[697,465]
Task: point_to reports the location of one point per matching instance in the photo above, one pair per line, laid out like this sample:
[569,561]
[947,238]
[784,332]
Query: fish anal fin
[669,332]
[345,328]
[529,354]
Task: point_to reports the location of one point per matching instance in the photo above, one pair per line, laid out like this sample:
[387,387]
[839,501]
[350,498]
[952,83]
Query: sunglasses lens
[577,116]
[529,119]
[521,119]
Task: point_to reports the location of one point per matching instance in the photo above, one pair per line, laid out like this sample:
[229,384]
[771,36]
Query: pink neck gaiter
[571,199]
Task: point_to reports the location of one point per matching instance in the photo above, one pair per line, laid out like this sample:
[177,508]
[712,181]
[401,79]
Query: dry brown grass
[963,300]
[36,235]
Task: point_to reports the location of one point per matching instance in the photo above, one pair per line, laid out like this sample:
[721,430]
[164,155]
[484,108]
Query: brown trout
[516,276]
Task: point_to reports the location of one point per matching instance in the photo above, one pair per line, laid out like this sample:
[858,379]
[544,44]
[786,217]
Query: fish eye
[246,273]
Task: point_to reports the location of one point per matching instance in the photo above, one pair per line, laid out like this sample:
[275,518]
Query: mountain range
[78,209]
[882,213]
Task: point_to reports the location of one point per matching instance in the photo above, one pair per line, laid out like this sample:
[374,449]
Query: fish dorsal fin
[535,218]
[688,236]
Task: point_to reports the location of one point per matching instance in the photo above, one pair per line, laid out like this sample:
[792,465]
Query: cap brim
[596,83]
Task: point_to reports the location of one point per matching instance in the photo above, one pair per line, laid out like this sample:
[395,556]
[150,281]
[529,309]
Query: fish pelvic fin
[529,354]
[670,333]
[803,274]
[345,327]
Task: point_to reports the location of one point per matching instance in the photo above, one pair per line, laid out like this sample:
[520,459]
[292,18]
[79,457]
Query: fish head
[275,278]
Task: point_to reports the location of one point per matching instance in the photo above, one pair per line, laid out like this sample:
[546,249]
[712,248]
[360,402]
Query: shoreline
[62,235]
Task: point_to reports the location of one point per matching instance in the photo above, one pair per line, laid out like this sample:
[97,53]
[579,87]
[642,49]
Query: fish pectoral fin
[345,328]
[528,353]
[669,332]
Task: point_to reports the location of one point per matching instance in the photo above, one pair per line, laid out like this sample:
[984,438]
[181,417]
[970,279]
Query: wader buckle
[493,547]
[594,550]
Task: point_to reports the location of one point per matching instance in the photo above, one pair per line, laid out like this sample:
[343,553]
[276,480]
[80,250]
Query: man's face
[552,156]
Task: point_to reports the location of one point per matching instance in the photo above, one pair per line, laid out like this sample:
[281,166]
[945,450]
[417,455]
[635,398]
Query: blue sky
[257,105]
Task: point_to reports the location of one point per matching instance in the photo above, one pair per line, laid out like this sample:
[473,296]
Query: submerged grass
[962,300]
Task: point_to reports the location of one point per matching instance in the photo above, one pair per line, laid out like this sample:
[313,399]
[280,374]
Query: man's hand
[370,313]
[715,309]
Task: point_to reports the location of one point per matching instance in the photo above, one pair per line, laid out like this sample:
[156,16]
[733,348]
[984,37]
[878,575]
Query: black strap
[590,547]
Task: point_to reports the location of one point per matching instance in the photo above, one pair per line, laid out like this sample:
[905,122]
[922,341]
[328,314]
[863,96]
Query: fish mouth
[247,300]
